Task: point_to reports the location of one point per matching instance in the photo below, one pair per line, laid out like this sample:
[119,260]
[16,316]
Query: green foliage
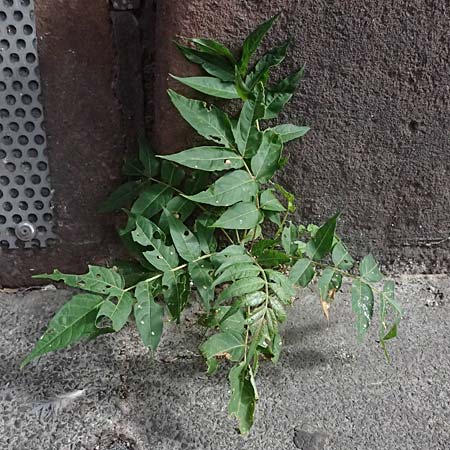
[197,230]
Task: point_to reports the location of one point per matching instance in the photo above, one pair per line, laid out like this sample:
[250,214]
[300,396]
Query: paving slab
[327,392]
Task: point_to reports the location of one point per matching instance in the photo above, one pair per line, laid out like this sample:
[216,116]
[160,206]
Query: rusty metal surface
[84,134]
[26,218]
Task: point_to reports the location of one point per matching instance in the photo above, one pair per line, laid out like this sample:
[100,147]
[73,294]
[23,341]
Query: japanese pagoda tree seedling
[197,231]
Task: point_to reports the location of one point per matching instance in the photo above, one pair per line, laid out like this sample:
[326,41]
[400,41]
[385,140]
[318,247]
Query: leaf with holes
[73,322]
[176,292]
[117,309]
[362,305]
[148,315]
[184,240]
[243,396]
[207,158]
[209,122]
[200,273]
[233,187]
[99,280]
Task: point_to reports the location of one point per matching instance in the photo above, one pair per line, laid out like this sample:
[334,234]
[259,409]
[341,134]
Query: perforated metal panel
[25,193]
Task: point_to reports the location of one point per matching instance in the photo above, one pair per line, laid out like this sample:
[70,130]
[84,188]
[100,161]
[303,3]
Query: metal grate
[25,194]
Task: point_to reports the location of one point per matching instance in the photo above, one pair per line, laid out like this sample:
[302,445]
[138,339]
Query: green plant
[199,230]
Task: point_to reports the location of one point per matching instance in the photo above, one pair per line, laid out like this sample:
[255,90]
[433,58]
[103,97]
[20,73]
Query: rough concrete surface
[327,392]
[376,95]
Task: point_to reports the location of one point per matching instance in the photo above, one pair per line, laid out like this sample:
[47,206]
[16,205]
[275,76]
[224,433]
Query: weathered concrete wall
[376,95]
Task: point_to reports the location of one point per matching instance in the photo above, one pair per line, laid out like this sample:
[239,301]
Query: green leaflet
[207,158]
[267,158]
[99,280]
[184,240]
[205,234]
[215,65]
[236,272]
[176,292]
[233,187]
[370,270]
[241,216]
[241,287]
[148,160]
[121,197]
[269,202]
[302,272]
[209,122]
[247,135]
[388,325]
[179,207]
[163,257]
[272,58]
[117,309]
[151,200]
[213,48]
[281,286]
[252,43]
[362,305]
[200,273]
[272,258]
[171,174]
[243,396]
[210,86]
[341,257]
[278,95]
[73,322]
[231,321]
[329,282]
[290,132]
[322,242]
[288,238]
[226,344]
[148,315]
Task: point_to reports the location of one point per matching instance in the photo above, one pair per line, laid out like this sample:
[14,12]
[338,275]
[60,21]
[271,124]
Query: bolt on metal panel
[25,195]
